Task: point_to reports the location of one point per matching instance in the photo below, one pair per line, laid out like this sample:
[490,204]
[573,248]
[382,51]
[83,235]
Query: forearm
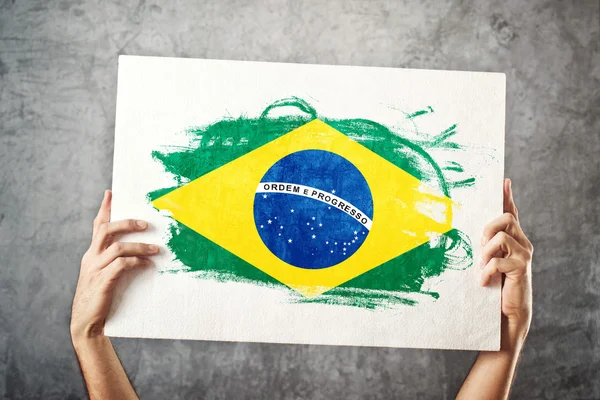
[104,375]
[493,372]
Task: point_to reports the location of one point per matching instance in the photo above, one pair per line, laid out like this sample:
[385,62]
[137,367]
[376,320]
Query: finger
[505,243]
[108,230]
[123,249]
[114,270]
[504,265]
[509,202]
[505,223]
[104,212]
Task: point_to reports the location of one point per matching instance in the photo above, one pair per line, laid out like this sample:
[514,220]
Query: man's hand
[101,267]
[507,250]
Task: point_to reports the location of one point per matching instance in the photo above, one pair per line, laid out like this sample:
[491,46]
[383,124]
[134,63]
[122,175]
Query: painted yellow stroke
[219,206]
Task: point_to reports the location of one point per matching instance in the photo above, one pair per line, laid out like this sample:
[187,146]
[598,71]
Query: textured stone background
[58,65]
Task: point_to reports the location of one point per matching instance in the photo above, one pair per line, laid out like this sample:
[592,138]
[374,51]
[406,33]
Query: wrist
[514,333]
[86,333]
[83,343]
[519,325]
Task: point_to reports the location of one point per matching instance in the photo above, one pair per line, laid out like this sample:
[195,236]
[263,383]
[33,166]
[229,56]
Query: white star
[353,241]
[311,228]
[292,210]
[333,191]
[355,232]
[363,233]
[313,218]
[355,238]
[335,243]
[344,249]
[262,226]
[308,223]
[320,224]
[344,245]
[331,251]
[280,234]
[275,217]
[264,196]
[326,242]
[344,253]
[329,208]
[269,221]
[280,226]
[314,236]
[289,240]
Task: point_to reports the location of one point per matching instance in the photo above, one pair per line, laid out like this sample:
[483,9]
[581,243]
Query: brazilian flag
[311,204]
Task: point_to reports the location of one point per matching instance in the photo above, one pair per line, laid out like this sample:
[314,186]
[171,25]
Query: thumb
[509,202]
[104,212]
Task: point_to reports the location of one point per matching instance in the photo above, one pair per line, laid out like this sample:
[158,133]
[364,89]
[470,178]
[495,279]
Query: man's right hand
[101,267]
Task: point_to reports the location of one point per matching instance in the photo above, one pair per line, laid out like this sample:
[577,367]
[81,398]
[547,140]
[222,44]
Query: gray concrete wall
[58,65]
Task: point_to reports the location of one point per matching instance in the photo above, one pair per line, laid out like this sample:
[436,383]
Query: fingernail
[141,224]
[153,248]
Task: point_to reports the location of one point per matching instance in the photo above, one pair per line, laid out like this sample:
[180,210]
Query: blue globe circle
[313,209]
